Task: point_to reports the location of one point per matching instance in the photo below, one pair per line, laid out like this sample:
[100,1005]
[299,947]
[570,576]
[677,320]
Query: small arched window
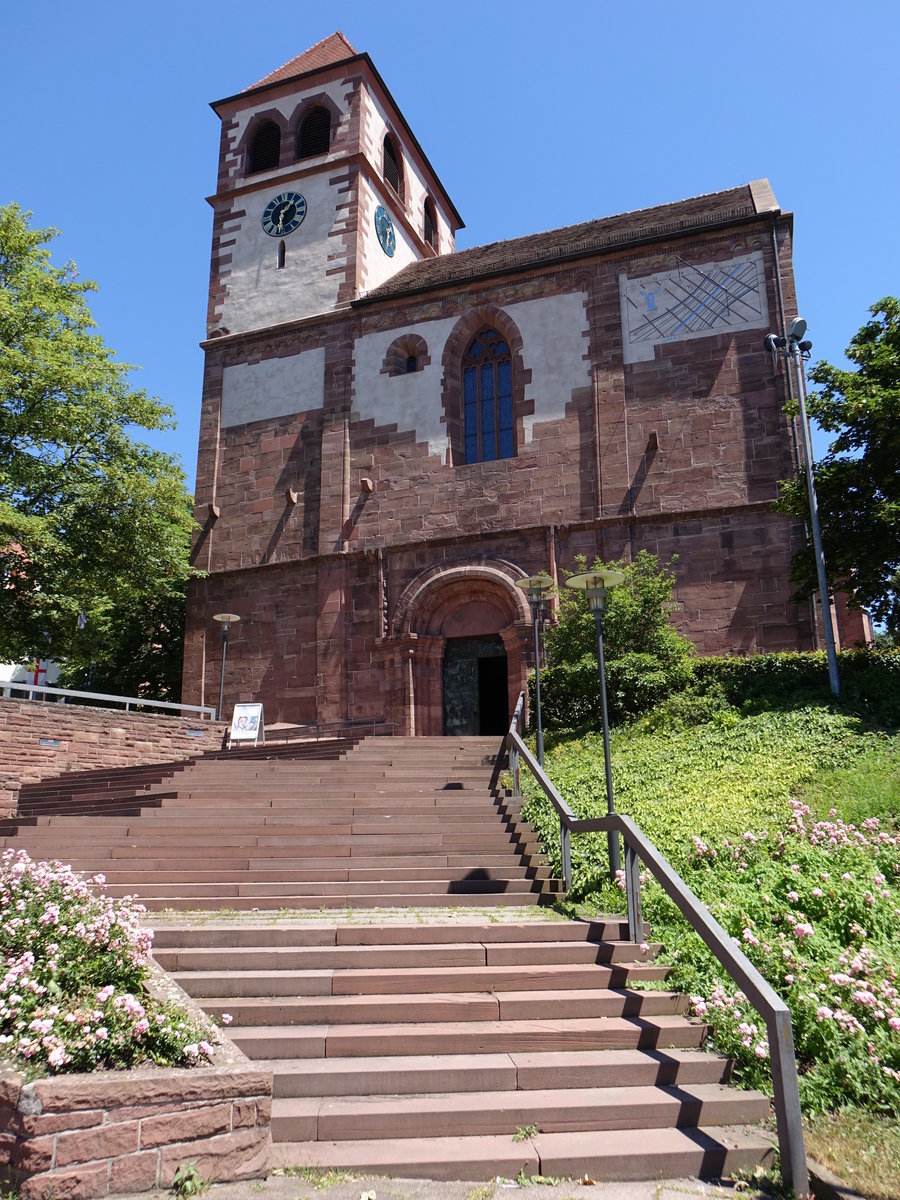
[392,176]
[487,398]
[265,149]
[429,225]
[315,133]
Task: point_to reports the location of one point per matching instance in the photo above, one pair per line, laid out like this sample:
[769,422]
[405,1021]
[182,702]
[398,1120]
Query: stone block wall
[77,738]
[82,1137]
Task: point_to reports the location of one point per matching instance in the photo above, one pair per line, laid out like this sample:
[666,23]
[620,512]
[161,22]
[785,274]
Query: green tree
[858,480]
[91,521]
[646,657]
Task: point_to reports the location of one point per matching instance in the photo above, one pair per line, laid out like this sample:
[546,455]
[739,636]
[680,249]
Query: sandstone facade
[354,516]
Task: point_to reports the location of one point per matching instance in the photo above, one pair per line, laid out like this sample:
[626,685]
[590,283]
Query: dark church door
[475,686]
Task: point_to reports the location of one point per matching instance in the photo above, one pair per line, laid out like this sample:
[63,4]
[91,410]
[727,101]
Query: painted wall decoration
[691,301]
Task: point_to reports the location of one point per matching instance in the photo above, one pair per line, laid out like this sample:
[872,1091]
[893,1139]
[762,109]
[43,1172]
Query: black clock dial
[283,214]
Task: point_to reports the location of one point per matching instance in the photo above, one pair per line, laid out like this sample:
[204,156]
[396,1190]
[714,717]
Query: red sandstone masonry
[81,1137]
[89,738]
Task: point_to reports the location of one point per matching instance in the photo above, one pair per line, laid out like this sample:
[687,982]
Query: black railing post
[633,895]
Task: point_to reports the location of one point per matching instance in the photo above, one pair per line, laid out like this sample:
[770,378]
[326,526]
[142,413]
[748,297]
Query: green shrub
[646,657]
[74,965]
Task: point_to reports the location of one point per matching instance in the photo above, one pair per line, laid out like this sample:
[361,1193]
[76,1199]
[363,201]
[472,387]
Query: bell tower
[323,193]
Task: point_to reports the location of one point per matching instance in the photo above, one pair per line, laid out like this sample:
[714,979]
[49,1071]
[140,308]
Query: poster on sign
[247,724]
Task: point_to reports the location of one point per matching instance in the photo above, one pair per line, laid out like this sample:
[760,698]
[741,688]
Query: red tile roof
[332,49]
[572,241]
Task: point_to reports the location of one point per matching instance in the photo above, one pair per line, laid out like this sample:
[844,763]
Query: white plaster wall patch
[691,301]
[379,267]
[258,293]
[411,402]
[554,346]
[274,387]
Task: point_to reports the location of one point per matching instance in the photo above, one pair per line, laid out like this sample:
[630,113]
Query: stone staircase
[425,1018]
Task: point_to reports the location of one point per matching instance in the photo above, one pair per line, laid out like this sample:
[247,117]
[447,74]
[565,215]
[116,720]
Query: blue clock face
[283,214]
[384,227]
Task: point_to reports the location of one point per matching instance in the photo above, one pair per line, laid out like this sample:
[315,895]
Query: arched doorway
[466,631]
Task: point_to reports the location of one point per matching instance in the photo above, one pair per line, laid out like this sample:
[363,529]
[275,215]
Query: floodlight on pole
[537,588]
[796,348]
[596,585]
[226,620]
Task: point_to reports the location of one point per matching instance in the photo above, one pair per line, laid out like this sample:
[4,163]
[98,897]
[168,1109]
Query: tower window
[487,398]
[281,255]
[315,133]
[428,224]
[392,176]
[265,149]
[411,364]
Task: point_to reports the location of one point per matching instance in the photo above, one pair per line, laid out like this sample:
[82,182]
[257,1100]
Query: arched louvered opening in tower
[265,149]
[314,136]
[429,225]
[392,175]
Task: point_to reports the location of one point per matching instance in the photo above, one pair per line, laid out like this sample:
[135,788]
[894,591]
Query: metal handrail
[639,849]
[16,686]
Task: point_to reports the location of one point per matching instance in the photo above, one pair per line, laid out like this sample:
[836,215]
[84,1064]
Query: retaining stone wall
[88,738]
[82,1137]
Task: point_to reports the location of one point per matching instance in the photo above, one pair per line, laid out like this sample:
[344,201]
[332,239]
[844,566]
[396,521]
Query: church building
[394,432]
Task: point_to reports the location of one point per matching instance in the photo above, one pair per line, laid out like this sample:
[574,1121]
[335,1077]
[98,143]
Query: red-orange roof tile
[333,49]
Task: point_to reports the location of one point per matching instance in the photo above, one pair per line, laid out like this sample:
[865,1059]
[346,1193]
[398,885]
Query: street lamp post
[226,620]
[795,349]
[537,588]
[595,585]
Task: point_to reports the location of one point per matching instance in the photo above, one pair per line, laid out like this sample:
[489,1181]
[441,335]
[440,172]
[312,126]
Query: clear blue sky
[534,116]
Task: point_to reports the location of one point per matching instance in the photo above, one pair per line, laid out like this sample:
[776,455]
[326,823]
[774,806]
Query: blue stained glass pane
[487,383]
[504,380]
[475,350]
[506,444]
[472,448]
[488,450]
[500,348]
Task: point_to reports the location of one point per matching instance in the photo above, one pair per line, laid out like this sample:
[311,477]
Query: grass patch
[862,1149]
[317,1177]
[742,808]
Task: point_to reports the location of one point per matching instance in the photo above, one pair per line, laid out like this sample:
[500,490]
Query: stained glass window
[487,398]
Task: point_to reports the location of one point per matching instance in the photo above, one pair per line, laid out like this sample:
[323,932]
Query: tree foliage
[91,521]
[858,480]
[646,657]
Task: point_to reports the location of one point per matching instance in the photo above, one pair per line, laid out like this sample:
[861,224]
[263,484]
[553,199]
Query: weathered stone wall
[81,1137]
[80,738]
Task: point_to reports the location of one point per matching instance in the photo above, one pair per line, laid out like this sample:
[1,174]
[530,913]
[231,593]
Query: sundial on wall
[691,301]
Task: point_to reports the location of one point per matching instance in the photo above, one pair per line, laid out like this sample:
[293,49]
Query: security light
[797,329]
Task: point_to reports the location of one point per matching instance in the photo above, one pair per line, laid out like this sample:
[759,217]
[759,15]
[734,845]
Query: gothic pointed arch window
[314,136]
[265,149]
[487,398]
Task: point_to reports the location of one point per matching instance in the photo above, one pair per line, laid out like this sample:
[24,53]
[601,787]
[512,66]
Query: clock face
[283,214]
[384,227]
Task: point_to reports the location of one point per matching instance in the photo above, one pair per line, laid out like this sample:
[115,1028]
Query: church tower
[323,193]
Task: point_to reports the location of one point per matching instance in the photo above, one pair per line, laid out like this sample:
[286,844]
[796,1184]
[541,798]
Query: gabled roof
[333,49]
[576,241]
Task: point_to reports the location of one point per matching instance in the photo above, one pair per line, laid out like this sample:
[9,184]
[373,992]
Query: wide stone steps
[437,1049]
[602,1155]
[430,1027]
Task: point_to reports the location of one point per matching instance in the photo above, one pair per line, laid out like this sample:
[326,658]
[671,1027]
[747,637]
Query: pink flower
[803,930]
[824,1013]
[227,1018]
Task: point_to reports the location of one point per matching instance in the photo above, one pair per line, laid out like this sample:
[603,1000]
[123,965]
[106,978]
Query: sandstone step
[376,956]
[422,1074]
[602,1155]
[424,980]
[498,1112]
[455,1006]
[410,884]
[396,900]
[310,933]
[468,1037]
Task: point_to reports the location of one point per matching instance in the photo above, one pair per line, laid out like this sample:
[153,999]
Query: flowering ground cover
[73,976]
[811,893]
